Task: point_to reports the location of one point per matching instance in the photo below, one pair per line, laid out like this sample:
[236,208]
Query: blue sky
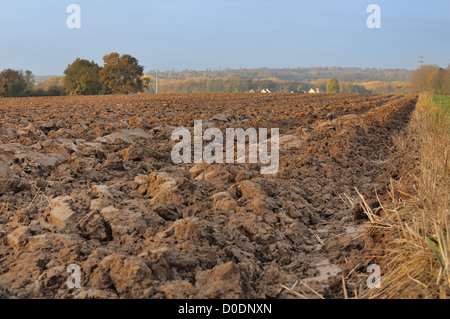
[201,34]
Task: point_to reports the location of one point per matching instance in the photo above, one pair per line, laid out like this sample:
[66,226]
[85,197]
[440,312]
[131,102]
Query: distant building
[316,90]
[251,91]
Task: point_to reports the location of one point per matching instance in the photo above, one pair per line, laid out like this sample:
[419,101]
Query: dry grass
[302,294]
[410,234]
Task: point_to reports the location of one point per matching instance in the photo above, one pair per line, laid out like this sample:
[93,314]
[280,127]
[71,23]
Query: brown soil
[90,181]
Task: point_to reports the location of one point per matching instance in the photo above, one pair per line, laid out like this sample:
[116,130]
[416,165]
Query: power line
[421,60]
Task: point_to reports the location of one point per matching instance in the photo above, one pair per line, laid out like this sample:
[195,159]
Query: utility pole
[421,60]
[156,90]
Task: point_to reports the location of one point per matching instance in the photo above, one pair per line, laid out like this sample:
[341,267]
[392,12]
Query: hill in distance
[304,74]
[310,74]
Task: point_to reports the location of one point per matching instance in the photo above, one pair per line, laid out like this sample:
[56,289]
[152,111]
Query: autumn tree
[333,85]
[428,78]
[82,77]
[121,74]
[12,83]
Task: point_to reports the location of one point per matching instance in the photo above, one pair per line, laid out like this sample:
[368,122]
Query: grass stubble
[409,234]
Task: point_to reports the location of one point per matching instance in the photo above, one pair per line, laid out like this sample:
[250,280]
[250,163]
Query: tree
[429,78]
[333,85]
[29,79]
[146,82]
[12,83]
[82,77]
[121,74]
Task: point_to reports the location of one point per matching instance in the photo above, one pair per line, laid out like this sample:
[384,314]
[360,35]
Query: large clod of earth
[90,181]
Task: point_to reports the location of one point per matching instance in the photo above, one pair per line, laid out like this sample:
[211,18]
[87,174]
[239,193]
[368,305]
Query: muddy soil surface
[90,181]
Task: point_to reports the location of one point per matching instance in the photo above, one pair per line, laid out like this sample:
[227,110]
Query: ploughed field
[90,181]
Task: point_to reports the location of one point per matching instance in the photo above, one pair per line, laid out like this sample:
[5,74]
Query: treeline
[230,85]
[16,83]
[384,87]
[292,74]
[432,79]
[239,85]
[120,74]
